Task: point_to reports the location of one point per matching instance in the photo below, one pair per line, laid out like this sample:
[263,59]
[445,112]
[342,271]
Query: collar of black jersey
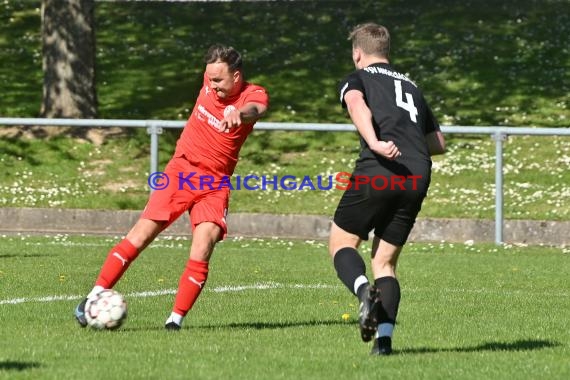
[382,64]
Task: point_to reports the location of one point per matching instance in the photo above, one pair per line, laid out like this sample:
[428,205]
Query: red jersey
[214,152]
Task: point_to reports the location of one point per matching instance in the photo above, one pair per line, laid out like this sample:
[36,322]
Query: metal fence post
[155,127]
[153,130]
[499,137]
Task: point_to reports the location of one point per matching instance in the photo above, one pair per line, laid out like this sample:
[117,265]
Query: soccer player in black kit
[398,134]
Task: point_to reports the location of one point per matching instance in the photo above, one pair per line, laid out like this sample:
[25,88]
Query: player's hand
[230,121]
[386,149]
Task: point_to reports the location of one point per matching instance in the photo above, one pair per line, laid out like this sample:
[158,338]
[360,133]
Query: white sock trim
[96,289]
[385,329]
[176,318]
[362,279]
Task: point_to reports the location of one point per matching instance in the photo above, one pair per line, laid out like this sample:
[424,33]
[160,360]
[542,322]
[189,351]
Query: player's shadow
[519,345]
[252,325]
[9,365]
[272,325]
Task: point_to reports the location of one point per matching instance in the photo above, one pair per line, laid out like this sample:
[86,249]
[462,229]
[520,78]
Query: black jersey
[400,114]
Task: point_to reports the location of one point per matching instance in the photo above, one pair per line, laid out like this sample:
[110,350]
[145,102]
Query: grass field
[272,310]
[63,173]
[479,62]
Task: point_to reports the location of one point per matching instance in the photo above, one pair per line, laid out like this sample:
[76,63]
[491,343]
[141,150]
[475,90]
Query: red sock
[191,283]
[117,262]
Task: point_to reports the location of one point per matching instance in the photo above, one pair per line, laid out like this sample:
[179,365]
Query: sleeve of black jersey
[431,122]
[351,82]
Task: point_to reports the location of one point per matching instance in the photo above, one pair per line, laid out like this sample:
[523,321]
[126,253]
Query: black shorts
[377,199]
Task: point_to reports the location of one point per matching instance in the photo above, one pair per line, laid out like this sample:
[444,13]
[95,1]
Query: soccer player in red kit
[225,112]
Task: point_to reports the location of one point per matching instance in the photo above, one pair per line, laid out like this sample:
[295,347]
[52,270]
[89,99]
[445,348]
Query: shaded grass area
[272,308]
[479,62]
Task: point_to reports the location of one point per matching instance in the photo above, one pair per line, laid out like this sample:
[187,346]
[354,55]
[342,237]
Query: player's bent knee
[144,232]
[336,245]
[138,241]
[204,239]
[340,238]
[201,250]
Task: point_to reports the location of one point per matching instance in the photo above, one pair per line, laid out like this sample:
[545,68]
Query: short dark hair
[372,38]
[226,54]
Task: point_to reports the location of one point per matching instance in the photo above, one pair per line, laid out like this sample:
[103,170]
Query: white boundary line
[155,293]
[275,285]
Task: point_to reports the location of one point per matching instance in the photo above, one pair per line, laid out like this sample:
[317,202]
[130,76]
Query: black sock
[389,288]
[349,266]
[361,289]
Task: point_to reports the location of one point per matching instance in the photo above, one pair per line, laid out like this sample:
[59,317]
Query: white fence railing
[155,127]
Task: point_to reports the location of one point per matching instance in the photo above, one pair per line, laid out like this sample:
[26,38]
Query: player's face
[222,80]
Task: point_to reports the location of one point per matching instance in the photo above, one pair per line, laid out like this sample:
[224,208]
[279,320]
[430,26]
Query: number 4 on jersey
[408,105]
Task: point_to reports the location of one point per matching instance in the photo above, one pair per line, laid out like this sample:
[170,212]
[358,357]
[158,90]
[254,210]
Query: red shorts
[189,189]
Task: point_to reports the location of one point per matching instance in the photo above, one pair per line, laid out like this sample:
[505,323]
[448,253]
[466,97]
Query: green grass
[479,63]
[64,173]
[467,312]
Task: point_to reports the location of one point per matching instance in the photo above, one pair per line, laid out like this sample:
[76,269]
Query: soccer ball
[107,310]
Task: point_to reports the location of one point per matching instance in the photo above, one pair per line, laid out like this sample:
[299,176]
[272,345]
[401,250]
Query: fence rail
[155,127]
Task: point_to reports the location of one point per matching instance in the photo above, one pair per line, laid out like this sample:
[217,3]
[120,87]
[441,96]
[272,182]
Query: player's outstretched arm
[249,113]
[436,143]
[362,118]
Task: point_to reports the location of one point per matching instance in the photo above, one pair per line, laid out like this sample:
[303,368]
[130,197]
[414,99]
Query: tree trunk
[68,48]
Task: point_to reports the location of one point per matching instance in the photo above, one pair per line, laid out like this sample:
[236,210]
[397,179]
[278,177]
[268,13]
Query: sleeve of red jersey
[257,94]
